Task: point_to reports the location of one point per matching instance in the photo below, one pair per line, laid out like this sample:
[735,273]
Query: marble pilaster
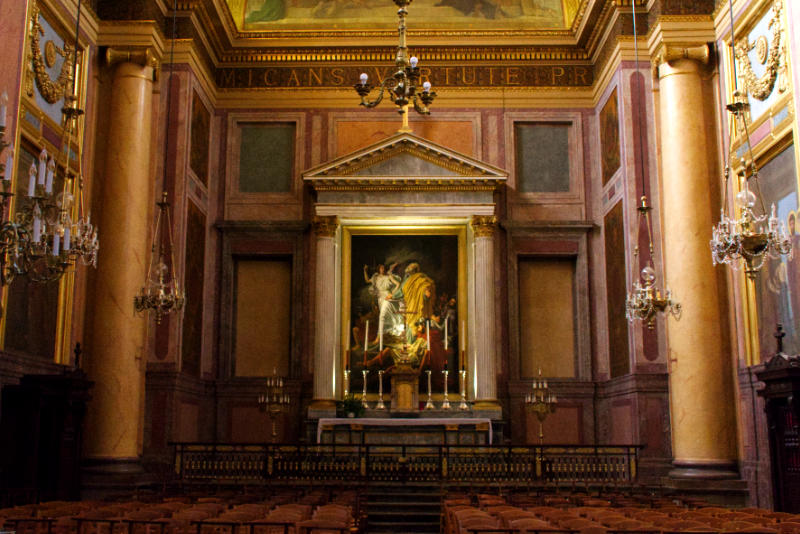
[325,306]
[483,228]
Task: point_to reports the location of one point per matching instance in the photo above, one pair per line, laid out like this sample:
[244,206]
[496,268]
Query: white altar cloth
[387,421]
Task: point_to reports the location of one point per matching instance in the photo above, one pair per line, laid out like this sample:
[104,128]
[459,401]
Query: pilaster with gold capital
[483,225]
[325,225]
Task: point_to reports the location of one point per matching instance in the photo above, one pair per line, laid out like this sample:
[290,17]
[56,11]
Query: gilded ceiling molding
[325,225]
[483,225]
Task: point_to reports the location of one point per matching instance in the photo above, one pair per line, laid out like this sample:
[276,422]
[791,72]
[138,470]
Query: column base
[104,477]
[717,482]
[704,470]
[487,408]
[320,408]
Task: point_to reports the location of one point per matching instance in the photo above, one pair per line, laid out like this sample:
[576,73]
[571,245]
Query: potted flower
[349,406]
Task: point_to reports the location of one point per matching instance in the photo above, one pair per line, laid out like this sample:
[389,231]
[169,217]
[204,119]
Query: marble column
[325,310]
[115,359]
[484,324]
[701,395]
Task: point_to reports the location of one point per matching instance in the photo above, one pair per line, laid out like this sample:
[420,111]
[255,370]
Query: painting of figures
[403,307]
[259,15]
[778,283]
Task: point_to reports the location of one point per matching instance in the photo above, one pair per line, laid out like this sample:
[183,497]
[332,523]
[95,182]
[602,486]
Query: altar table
[427,430]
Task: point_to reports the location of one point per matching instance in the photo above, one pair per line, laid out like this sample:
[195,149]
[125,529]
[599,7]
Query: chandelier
[49,232]
[646,299]
[541,401]
[161,293]
[403,84]
[752,237]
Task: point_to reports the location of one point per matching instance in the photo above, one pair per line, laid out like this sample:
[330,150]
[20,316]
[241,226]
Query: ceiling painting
[480,15]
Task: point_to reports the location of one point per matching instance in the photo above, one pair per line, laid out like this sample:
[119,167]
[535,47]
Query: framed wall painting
[403,291]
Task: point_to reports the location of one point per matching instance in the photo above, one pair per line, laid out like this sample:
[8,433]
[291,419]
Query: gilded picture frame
[418,297]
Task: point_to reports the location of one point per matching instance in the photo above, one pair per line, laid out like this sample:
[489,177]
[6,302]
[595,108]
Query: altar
[413,431]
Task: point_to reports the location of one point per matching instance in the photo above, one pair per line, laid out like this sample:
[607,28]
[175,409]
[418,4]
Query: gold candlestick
[446,401]
[463,376]
[429,405]
[380,405]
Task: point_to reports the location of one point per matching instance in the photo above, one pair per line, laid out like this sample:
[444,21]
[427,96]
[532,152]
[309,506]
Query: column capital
[325,225]
[142,56]
[483,225]
[671,53]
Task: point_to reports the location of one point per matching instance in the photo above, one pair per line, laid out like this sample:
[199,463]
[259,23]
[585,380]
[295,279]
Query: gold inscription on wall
[474,76]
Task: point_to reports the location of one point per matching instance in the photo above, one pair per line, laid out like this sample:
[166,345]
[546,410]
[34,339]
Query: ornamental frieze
[487,76]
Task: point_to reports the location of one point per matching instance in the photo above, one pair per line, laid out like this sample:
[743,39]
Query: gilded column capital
[670,53]
[325,225]
[142,56]
[483,225]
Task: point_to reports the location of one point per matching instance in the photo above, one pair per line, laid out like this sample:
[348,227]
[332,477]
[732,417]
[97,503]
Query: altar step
[403,509]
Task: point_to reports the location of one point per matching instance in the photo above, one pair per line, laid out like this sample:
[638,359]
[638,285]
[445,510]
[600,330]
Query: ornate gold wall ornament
[51,91]
[483,225]
[325,226]
[761,88]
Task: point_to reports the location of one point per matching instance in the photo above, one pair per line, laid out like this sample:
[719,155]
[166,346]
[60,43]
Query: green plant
[350,404]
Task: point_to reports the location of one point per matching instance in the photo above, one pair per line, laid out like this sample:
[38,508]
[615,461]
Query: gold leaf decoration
[51,91]
[762,87]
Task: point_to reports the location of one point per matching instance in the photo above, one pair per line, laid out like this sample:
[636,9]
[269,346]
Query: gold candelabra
[274,400]
[541,401]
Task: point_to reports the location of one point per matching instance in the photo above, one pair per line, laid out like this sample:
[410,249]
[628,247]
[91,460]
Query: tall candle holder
[274,400]
[446,401]
[380,405]
[463,376]
[346,382]
[364,389]
[541,401]
[429,405]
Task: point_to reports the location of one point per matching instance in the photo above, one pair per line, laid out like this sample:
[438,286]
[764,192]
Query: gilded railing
[234,463]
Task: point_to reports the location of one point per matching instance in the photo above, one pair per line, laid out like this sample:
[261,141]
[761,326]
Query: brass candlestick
[446,401]
[364,389]
[463,404]
[380,405]
[429,405]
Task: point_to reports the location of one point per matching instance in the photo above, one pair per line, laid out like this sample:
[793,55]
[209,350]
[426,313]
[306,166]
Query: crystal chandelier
[646,300]
[751,237]
[49,232]
[403,84]
[161,293]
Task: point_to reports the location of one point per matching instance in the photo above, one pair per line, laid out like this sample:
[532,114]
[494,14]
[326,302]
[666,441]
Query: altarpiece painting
[404,297]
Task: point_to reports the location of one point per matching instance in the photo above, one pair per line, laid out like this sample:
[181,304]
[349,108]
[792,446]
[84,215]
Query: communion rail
[449,464]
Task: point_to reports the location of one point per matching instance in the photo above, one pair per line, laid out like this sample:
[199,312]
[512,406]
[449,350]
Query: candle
[32,180]
[366,338]
[51,167]
[380,339]
[463,335]
[67,236]
[42,166]
[56,243]
[446,320]
[9,162]
[37,229]
[3,109]
[428,333]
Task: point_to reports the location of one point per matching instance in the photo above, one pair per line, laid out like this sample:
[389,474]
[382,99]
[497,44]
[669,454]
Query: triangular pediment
[404,160]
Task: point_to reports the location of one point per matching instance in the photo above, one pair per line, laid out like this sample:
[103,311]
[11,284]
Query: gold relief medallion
[762,49]
[50,52]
